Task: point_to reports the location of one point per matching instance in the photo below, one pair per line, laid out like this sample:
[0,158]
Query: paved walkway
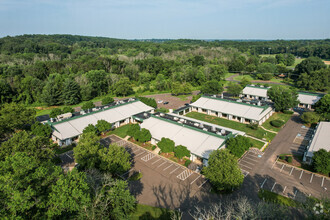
[268,130]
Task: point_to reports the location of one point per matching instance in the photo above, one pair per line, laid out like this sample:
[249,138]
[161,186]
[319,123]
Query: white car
[160,101]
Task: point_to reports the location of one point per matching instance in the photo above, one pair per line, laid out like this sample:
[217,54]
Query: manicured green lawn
[257,144]
[240,77]
[276,116]
[296,62]
[145,212]
[276,198]
[259,133]
[229,74]
[121,131]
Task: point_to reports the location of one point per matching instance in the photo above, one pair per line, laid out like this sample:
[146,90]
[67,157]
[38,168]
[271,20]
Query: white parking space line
[284,189]
[253,155]
[282,168]
[185,174]
[301,174]
[148,157]
[245,166]
[250,159]
[322,182]
[174,170]
[262,185]
[168,167]
[195,179]
[247,162]
[68,156]
[294,196]
[291,171]
[162,164]
[274,164]
[135,151]
[156,161]
[140,153]
[202,184]
[273,187]
[311,178]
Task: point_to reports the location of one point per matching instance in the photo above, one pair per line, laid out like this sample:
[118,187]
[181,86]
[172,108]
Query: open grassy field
[258,133]
[276,116]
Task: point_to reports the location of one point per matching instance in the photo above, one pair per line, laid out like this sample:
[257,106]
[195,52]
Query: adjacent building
[68,130]
[254,92]
[320,140]
[307,100]
[238,110]
[199,137]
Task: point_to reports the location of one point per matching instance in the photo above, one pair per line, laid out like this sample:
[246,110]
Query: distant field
[296,62]
[327,62]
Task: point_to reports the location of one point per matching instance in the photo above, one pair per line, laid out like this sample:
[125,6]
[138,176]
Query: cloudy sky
[195,19]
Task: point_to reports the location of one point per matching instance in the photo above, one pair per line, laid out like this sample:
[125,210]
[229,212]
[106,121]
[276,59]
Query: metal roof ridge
[91,113]
[241,103]
[196,129]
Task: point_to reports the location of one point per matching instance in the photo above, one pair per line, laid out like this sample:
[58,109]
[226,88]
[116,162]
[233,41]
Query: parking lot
[167,168]
[301,140]
[313,184]
[249,160]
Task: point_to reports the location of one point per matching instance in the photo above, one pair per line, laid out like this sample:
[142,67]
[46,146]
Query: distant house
[233,110]
[69,130]
[320,140]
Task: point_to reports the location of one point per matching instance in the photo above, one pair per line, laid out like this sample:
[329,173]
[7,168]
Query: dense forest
[66,69]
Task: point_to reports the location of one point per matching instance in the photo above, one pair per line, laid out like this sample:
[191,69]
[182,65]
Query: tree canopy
[166,145]
[181,151]
[283,97]
[211,87]
[238,145]
[223,170]
[321,161]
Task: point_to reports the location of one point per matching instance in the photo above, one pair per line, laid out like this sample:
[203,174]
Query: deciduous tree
[166,145]
[283,98]
[223,171]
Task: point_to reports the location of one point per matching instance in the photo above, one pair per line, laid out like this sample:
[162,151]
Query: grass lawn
[276,116]
[121,131]
[148,212]
[259,133]
[257,144]
[240,77]
[296,62]
[276,198]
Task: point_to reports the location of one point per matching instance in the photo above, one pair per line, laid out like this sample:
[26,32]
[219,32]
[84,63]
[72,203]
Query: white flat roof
[248,111]
[321,139]
[310,99]
[197,142]
[74,127]
[255,91]
[210,124]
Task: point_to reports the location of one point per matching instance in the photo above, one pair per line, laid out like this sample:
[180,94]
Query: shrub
[67,109]
[288,112]
[162,110]
[107,100]
[181,151]
[310,117]
[277,123]
[187,163]
[88,105]
[55,112]
[253,126]
[238,145]
[153,147]
[289,159]
[282,157]
[148,101]
[166,145]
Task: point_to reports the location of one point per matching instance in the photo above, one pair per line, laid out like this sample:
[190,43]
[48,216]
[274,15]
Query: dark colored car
[165,103]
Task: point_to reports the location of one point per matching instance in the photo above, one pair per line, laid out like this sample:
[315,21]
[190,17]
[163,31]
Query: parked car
[165,103]
[160,101]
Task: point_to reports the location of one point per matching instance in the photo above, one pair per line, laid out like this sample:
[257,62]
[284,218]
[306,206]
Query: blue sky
[194,19]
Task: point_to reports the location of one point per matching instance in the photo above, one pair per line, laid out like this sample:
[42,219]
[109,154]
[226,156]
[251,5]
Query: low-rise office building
[69,130]
[320,140]
[306,99]
[200,138]
[238,110]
